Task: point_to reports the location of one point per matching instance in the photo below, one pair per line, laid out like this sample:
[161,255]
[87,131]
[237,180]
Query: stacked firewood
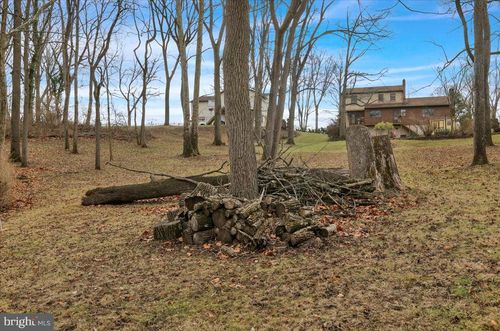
[255,223]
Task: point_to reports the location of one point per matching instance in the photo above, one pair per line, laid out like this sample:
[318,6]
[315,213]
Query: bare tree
[183,35]
[310,33]
[260,38]
[76,55]
[200,8]
[323,69]
[127,79]
[162,10]
[359,35]
[495,90]
[107,72]
[148,66]
[96,17]
[305,97]
[115,14]
[481,69]
[293,11]
[39,37]
[456,82]
[243,174]
[15,115]
[67,17]
[480,56]
[216,42]
[3,79]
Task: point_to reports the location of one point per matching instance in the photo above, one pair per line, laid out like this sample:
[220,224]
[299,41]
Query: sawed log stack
[254,223]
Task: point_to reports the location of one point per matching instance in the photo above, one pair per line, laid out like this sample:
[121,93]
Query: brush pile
[286,210]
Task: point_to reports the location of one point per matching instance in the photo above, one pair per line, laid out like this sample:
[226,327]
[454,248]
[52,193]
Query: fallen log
[129,193]
[300,237]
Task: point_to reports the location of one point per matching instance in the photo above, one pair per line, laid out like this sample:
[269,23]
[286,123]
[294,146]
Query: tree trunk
[27,87]
[3,78]
[271,111]
[91,95]
[67,93]
[142,132]
[75,83]
[97,95]
[187,148]
[291,113]
[487,55]
[217,95]
[15,117]
[480,78]
[239,117]
[167,101]
[108,108]
[38,97]
[197,77]
[282,90]
[151,190]
[316,120]
[257,103]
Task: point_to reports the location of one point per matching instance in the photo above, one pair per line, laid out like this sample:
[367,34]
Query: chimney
[404,90]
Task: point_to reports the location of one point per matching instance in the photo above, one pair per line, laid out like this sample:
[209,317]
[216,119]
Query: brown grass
[433,266]
[6,180]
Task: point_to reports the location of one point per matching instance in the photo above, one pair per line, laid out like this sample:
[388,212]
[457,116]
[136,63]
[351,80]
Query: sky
[409,53]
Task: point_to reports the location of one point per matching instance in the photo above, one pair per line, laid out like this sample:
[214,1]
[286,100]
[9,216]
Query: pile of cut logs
[255,223]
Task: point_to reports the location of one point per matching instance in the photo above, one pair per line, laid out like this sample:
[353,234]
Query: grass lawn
[434,265]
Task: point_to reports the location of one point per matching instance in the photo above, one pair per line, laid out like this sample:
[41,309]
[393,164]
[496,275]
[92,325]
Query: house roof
[376,89]
[414,102]
[207,97]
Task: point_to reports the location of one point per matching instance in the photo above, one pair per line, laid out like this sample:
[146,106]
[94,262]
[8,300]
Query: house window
[354,99]
[393,96]
[403,112]
[381,97]
[210,109]
[427,112]
[375,113]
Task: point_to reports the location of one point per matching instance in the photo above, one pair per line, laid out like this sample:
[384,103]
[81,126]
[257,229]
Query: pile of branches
[313,186]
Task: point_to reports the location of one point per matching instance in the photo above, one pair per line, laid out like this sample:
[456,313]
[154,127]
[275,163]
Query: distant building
[371,105]
[207,108]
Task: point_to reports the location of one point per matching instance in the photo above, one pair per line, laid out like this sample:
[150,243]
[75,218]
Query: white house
[207,107]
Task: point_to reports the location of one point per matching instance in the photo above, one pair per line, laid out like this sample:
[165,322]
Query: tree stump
[386,163]
[360,153]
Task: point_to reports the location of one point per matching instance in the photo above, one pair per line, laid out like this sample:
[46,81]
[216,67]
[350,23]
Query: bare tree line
[51,44]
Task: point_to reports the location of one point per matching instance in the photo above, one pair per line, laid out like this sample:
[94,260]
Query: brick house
[409,116]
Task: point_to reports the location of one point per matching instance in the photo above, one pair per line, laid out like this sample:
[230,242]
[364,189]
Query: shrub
[333,131]
[6,179]
[442,133]
[384,126]
[495,124]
